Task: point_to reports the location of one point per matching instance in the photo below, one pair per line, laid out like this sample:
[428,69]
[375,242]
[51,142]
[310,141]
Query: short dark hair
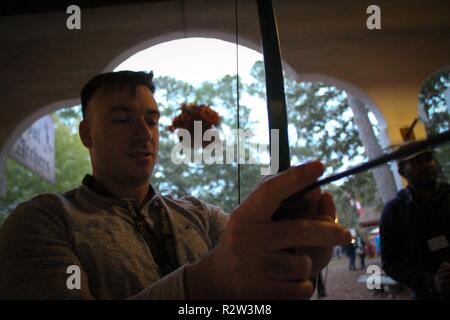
[112,81]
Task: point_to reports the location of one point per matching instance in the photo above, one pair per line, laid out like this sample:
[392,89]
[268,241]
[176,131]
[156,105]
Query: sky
[194,60]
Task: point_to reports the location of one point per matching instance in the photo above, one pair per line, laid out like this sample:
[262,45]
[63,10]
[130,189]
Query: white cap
[412,156]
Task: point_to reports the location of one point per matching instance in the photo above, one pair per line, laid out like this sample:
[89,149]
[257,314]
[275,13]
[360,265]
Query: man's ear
[85,134]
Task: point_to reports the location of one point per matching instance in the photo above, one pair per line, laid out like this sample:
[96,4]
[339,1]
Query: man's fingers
[443,272]
[312,198]
[444,267]
[263,179]
[443,275]
[320,257]
[268,196]
[292,290]
[305,233]
[444,285]
[284,265]
[326,207]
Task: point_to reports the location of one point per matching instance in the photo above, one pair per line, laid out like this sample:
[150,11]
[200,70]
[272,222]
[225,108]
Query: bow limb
[276,100]
[276,105]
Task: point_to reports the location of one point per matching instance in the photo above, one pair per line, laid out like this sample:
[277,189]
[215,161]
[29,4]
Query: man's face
[123,135]
[421,171]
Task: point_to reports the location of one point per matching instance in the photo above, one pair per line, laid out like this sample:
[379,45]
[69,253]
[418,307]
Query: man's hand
[251,261]
[441,281]
[321,255]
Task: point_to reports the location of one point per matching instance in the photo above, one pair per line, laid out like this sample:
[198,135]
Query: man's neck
[138,193]
[424,195]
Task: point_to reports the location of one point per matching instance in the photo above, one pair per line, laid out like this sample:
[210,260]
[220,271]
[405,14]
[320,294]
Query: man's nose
[143,130]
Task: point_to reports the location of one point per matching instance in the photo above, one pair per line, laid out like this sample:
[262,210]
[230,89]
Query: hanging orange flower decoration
[192,112]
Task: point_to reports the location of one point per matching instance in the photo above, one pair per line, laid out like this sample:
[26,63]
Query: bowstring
[237,99]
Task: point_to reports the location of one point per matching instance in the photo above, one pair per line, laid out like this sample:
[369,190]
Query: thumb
[266,198]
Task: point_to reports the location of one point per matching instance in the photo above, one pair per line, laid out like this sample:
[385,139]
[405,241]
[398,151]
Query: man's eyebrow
[153,112]
[129,109]
[120,108]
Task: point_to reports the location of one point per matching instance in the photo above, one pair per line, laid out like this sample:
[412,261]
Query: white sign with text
[35,149]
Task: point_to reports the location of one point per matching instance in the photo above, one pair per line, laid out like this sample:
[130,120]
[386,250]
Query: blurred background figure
[351,254]
[337,252]
[361,251]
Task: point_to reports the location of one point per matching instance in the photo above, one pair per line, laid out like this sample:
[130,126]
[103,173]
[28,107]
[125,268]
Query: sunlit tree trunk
[383,176]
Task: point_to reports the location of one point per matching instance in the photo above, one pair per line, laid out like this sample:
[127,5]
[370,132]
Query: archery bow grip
[291,208]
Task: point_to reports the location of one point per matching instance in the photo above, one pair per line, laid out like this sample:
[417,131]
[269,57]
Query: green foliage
[72,162]
[432,99]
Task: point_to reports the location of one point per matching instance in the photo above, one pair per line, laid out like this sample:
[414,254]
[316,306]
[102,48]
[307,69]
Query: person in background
[351,254]
[377,245]
[415,229]
[361,251]
[337,252]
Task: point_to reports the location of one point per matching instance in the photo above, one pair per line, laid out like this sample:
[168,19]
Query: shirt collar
[441,192]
